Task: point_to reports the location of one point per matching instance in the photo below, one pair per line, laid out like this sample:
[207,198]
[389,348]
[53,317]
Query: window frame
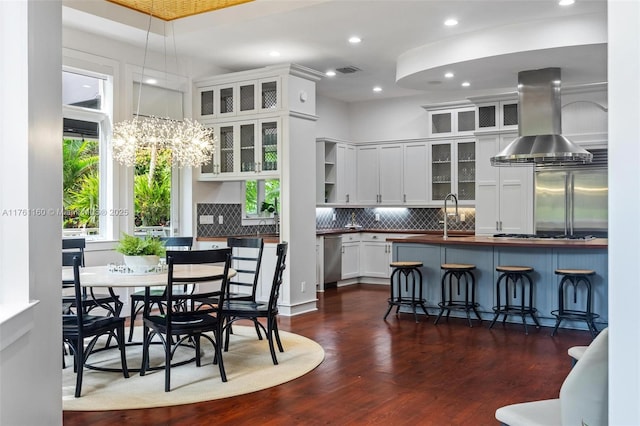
[103,117]
[180,193]
[251,219]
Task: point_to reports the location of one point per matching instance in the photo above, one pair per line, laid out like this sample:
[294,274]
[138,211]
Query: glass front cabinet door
[243,149]
[453,170]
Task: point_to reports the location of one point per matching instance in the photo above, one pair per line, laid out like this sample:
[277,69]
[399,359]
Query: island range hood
[540,124]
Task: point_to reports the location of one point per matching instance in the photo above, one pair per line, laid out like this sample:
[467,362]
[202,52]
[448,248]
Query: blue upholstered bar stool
[573,278]
[407,273]
[518,276]
[461,272]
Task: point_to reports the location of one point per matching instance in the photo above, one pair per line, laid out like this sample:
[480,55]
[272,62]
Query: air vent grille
[350,69]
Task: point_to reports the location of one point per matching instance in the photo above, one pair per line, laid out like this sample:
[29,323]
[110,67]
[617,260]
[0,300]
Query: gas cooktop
[546,236]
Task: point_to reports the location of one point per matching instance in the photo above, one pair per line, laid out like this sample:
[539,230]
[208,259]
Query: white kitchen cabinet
[452,121]
[335,172]
[376,256]
[504,195]
[380,174]
[319,263]
[345,189]
[267,269]
[244,149]
[350,256]
[416,173]
[498,115]
[233,99]
[453,170]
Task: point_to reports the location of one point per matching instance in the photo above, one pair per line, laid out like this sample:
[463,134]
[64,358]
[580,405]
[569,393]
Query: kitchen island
[544,255]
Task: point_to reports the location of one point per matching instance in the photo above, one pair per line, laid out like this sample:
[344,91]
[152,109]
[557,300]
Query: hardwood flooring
[393,372]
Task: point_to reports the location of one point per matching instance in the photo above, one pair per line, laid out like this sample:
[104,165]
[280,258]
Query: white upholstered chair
[576,352]
[583,396]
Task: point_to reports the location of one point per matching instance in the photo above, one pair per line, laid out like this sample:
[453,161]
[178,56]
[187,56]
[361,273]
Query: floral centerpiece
[141,254]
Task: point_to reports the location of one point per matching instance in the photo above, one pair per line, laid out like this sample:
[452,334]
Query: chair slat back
[281,252]
[74,245]
[171,243]
[246,259]
[220,257]
[73,260]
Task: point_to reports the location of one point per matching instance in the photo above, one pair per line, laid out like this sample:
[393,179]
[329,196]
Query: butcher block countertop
[597,243]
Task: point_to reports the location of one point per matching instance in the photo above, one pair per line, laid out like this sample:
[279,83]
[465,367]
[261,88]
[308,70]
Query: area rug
[248,366]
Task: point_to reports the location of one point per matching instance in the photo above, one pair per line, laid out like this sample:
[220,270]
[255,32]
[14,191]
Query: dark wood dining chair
[157,294]
[234,309]
[109,302]
[187,327]
[78,326]
[246,259]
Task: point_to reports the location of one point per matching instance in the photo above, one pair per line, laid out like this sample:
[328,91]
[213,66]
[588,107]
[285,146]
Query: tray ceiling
[169,10]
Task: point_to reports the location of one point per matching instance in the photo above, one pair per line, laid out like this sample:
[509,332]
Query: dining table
[111,277]
[102,276]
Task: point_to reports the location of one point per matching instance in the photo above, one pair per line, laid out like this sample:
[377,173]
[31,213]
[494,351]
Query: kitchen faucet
[455,199]
[261,223]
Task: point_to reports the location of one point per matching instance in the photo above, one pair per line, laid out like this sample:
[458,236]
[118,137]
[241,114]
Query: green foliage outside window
[262,193]
[80,183]
[152,188]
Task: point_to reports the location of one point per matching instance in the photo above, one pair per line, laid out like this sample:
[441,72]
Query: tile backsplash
[389,218]
[231,221]
[394,218]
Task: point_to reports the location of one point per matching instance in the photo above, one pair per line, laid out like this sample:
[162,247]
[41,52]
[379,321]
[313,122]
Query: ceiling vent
[349,69]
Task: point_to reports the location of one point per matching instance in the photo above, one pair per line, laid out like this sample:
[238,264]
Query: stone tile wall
[390,218]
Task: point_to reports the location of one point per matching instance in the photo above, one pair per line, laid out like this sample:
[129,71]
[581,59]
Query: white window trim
[256,220]
[103,118]
[180,196]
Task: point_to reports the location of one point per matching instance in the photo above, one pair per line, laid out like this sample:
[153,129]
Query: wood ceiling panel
[169,10]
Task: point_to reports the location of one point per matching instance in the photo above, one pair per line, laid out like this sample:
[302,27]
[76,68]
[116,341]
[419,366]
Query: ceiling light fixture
[330,73]
[566,2]
[466,84]
[377,89]
[448,75]
[354,40]
[152,81]
[191,144]
[451,22]
[274,54]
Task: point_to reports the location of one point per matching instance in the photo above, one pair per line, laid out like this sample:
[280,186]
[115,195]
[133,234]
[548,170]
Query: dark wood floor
[393,372]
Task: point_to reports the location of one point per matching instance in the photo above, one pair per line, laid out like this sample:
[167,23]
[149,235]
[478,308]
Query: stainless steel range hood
[540,124]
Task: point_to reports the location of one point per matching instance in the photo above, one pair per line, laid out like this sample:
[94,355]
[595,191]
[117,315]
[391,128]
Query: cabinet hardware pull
[404,198]
[497,226]
[347,198]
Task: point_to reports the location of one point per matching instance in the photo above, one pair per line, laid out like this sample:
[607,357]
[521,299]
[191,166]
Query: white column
[30,197]
[624,203]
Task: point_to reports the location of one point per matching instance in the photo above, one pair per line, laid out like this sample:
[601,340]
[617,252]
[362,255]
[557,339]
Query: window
[85,125]
[154,183]
[262,197]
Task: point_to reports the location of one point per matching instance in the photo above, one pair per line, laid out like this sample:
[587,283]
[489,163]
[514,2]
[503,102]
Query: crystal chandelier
[190,143]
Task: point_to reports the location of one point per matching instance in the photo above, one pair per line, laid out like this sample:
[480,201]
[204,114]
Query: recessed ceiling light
[466,84]
[152,81]
[354,39]
[377,89]
[330,73]
[448,75]
[451,22]
[274,53]
[566,2]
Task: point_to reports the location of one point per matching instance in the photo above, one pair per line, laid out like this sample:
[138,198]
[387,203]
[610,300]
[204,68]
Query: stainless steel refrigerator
[571,201]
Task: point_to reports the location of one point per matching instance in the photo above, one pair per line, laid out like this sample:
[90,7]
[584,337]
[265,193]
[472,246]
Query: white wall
[395,118]
[624,197]
[31,181]
[333,119]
